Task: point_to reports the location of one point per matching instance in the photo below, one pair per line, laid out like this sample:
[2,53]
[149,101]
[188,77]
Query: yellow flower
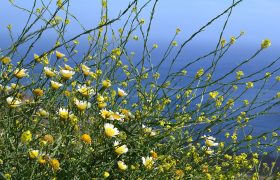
[209,151]
[214,94]
[26,136]
[67,67]
[7,176]
[55,85]
[142,21]
[73,119]
[120,149]
[54,163]
[38,92]
[174,43]
[86,138]
[106,174]
[101,105]
[43,112]
[5,60]
[199,73]
[232,40]
[67,74]
[210,143]
[148,162]
[67,93]
[106,83]
[49,73]
[82,105]
[121,92]
[63,113]
[33,154]
[37,58]
[116,116]
[20,73]
[86,70]
[105,114]
[85,91]
[265,43]
[59,55]
[100,98]
[154,154]
[48,138]
[180,173]
[155,46]
[223,42]
[42,159]
[249,85]
[110,130]
[15,86]
[239,74]
[116,52]
[122,166]
[126,113]
[13,102]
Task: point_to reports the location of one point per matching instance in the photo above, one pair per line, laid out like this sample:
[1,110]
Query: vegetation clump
[106,112]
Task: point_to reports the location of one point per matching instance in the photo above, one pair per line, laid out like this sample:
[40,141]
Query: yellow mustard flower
[265,43]
[26,136]
[199,73]
[214,94]
[223,42]
[249,85]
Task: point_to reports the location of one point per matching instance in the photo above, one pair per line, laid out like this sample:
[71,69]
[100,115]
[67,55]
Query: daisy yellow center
[209,143]
[110,132]
[49,73]
[63,114]
[33,154]
[55,85]
[121,150]
[81,106]
[20,73]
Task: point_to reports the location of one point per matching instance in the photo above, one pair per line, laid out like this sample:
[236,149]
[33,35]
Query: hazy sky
[259,19]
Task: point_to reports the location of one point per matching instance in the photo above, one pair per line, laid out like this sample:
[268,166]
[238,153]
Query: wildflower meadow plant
[103,111]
